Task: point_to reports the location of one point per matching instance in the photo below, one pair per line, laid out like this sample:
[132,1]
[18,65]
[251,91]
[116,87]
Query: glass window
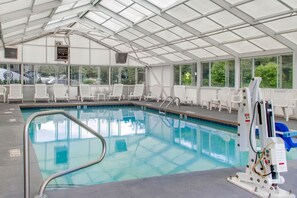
[176,70]
[89,75]
[218,74]
[103,75]
[246,71]
[286,74]
[62,74]
[205,74]
[185,74]
[74,76]
[15,73]
[52,74]
[230,73]
[3,71]
[266,68]
[29,75]
[115,75]
[128,76]
[141,75]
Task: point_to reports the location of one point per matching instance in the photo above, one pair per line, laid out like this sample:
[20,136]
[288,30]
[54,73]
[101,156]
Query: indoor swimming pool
[140,144]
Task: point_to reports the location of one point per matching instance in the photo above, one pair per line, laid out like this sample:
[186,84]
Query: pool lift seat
[289,137]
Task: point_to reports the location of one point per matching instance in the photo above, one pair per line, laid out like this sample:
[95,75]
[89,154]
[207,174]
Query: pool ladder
[177,99]
[59,174]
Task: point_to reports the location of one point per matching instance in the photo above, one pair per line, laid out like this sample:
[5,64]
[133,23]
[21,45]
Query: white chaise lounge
[3,93]
[85,92]
[117,92]
[60,92]
[154,94]
[15,92]
[137,93]
[180,92]
[41,92]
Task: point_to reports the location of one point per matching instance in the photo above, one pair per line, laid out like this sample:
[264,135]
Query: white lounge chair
[85,92]
[3,93]
[154,94]
[221,99]
[137,93]
[286,103]
[15,92]
[117,92]
[60,92]
[180,92]
[41,92]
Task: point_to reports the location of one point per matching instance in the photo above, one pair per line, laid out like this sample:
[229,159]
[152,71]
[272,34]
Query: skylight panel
[283,24]
[150,26]
[14,23]
[225,18]
[291,36]
[153,41]
[123,48]
[64,7]
[125,2]
[291,3]
[201,53]
[39,16]
[14,6]
[260,8]
[183,13]
[216,51]
[34,27]
[113,5]
[169,49]
[95,17]
[81,3]
[234,1]
[172,57]
[225,37]
[143,43]
[13,33]
[163,4]
[132,15]
[186,45]
[204,25]
[162,22]
[54,21]
[248,32]
[141,9]
[182,56]
[159,51]
[151,61]
[111,42]
[128,35]
[243,47]
[167,35]
[137,33]
[200,42]
[268,43]
[42,2]
[114,25]
[181,32]
[203,6]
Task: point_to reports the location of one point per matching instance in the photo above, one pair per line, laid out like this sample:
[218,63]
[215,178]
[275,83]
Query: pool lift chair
[267,160]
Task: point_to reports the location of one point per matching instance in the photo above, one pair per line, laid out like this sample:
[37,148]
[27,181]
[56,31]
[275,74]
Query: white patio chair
[3,93]
[15,92]
[41,92]
[137,93]
[221,98]
[154,94]
[60,92]
[180,92]
[236,99]
[286,103]
[85,92]
[117,92]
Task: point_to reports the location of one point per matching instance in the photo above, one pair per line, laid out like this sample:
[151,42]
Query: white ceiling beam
[96,25]
[149,6]
[265,53]
[73,11]
[62,23]
[250,20]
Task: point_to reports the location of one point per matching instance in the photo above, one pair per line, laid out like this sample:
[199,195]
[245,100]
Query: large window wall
[10,73]
[275,71]
[185,74]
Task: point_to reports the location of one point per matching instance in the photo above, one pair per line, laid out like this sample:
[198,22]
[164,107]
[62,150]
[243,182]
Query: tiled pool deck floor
[198,184]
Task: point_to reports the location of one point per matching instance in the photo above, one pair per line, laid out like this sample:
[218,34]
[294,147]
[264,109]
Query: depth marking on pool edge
[15,153]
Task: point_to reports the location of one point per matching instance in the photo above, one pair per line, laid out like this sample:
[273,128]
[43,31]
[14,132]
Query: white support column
[171,79]
[237,73]
[199,80]
[295,69]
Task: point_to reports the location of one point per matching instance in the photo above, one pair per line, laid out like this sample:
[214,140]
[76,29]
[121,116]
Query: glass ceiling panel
[137,33]
[183,13]
[143,43]
[225,18]
[95,17]
[125,2]
[260,8]
[200,42]
[283,24]
[141,9]
[243,47]
[54,21]
[64,7]
[33,27]
[42,2]
[216,51]
[14,6]
[182,56]
[292,3]
[291,36]
[39,16]
[268,43]
[128,35]
[13,33]
[201,53]
[153,41]
[204,25]
[181,32]
[114,25]
[168,49]
[163,4]
[203,6]
[123,48]
[14,23]
[111,42]
[150,26]
[234,1]
[172,57]
[162,22]
[81,3]
[132,15]
[167,35]
[248,32]
[225,37]
[151,61]
[159,51]
[186,45]
[113,5]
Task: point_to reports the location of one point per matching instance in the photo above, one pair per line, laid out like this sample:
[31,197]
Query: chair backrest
[179,91]
[224,93]
[15,90]
[117,90]
[156,91]
[138,90]
[40,90]
[59,90]
[267,93]
[84,90]
[2,90]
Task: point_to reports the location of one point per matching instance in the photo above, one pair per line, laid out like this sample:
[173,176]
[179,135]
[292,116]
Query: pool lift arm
[267,159]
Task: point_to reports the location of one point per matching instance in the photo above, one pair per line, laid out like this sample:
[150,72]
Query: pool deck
[197,184]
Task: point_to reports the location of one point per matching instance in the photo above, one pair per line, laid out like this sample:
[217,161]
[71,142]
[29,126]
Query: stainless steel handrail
[27,154]
[175,98]
[165,101]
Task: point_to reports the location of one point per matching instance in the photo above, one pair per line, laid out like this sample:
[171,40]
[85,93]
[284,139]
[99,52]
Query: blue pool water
[140,144]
